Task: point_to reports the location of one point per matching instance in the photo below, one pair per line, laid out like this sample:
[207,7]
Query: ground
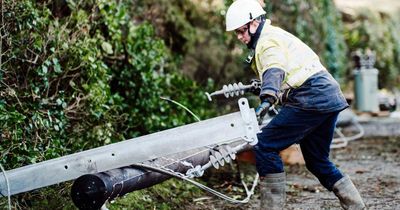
[372,164]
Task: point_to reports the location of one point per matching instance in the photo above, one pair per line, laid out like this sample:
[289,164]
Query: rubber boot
[273,193]
[348,195]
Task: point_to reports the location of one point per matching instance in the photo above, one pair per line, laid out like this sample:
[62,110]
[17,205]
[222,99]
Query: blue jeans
[312,130]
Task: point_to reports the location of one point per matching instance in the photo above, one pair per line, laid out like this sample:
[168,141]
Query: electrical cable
[8,186]
[184,107]
[201,186]
[343,139]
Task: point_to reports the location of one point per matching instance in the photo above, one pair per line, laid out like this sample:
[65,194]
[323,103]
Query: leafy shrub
[84,78]
[79,76]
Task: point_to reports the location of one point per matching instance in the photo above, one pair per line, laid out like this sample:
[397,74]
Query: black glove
[262,110]
[266,102]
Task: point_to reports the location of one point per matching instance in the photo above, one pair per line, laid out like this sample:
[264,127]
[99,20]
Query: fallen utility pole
[91,191]
[228,128]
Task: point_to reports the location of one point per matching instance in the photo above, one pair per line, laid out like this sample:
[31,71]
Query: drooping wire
[184,107]
[201,186]
[8,186]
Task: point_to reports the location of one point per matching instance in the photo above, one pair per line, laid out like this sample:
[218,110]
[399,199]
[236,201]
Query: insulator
[234,89]
[226,154]
[219,158]
[231,152]
[214,161]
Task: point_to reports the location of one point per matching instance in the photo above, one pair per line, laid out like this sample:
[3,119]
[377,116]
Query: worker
[293,76]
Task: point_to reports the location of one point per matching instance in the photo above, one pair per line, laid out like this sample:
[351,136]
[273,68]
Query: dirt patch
[372,164]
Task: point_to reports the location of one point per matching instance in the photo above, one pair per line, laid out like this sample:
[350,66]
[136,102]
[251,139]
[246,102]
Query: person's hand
[262,109]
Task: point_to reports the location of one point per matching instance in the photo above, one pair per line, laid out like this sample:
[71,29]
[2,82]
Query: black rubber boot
[273,193]
[348,194]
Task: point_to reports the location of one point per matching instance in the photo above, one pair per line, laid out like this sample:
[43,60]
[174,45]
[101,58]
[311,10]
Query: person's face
[242,34]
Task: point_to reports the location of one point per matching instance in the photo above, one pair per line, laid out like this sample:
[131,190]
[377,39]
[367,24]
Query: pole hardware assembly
[236,89]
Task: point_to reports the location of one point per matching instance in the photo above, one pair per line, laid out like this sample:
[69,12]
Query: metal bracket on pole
[227,154]
[219,130]
[250,119]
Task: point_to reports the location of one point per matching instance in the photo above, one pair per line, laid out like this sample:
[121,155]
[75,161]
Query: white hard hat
[241,12]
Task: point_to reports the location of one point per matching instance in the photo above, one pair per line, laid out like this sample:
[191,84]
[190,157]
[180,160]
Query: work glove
[266,102]
[262,110]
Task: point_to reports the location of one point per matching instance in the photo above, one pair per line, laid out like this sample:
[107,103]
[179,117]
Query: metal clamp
[250,120]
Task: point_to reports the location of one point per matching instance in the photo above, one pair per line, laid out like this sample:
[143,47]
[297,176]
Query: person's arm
[271,82]
[272,60]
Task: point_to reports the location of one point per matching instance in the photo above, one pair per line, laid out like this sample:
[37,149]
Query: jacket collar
[254,37]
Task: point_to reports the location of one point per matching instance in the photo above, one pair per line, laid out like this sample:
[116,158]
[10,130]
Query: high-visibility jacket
[311,86]
[277,48]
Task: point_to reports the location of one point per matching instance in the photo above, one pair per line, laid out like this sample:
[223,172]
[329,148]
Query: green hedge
[79,76]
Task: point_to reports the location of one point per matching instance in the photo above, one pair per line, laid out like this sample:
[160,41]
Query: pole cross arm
[223,129]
